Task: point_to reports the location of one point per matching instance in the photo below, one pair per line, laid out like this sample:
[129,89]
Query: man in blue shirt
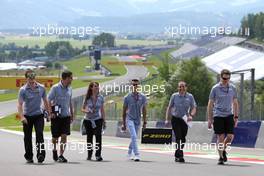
[134,105]
[222,113]
[60,101]
[181,104]
[30,97]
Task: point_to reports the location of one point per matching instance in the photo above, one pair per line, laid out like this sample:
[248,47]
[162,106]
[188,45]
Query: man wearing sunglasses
[222,113]
[30,98]
[182,104]
[134,105]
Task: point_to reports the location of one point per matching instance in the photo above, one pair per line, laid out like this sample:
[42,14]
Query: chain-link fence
[113,112]
[113,109]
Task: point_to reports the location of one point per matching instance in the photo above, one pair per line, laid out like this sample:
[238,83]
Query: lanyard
[136,97]
[94,103]
[225,89]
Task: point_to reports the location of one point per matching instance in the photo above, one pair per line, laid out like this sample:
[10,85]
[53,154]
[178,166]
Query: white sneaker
[130,156]
[137,158]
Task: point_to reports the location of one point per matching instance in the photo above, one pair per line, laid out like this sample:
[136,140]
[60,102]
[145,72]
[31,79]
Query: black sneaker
[40,159]
[181,160]
[224,156]
[220,161]
[30,161]
[177,159]
[61,159]
[99,158]
[89,158]
[55,155]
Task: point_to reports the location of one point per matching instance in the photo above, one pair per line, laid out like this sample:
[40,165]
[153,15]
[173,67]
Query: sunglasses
[135,84]
[225,78]
[31,75]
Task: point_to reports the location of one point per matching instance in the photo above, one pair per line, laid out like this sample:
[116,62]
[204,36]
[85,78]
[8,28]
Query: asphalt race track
[154,160]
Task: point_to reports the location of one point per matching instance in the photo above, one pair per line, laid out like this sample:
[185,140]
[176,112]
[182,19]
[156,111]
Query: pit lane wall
[249,134]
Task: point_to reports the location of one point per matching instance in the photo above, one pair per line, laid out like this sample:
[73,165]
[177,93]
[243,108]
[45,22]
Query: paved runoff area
[155,160]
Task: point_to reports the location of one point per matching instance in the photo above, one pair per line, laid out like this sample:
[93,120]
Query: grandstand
[187,47]
[205,46]
[236,58]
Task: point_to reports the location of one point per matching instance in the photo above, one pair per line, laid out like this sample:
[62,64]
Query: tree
[63,52]
[48,64]
[60,49]
[259,26]
[12,55]
[255,23]
[104,40]
[3,57]
[36,46]
[164,70]
[25,53]
[197,77]
[57,65]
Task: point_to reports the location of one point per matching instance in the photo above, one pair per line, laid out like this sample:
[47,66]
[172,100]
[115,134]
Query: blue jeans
[133,128]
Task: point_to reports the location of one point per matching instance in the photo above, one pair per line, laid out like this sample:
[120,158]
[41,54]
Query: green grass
[20,128]
[156,59]
[31,41]
[84,83]
[257,41]
[140,42]
[77,66]
[117,99]
[46,72]
[157,62]
[75,84]
[117,69]
[11,123]
[8,96]
[41,41]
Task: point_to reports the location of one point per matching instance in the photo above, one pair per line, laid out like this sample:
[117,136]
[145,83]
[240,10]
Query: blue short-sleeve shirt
[32,99]
[223,97]
[134,103]
[95,107]
[181,104]
[61,95]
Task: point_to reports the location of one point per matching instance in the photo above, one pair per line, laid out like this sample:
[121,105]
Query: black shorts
[224,125]
[60,125]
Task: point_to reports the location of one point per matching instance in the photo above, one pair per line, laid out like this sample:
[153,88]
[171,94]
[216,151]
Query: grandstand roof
[205,46]
[236,58]
[8,66]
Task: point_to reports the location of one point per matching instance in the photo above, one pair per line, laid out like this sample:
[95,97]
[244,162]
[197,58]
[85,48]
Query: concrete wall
[199,132]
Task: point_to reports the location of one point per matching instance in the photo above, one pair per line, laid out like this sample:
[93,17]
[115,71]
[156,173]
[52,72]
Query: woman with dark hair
[94,119]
